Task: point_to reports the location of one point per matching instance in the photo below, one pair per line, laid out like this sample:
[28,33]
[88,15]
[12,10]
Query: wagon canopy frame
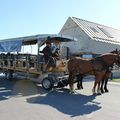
[15,44]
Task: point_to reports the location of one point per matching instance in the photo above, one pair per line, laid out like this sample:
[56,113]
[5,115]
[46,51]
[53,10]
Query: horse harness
[105,66]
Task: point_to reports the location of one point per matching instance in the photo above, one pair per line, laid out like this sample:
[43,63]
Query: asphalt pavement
[25,100]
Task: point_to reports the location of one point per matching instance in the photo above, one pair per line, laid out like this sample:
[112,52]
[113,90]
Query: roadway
[25,100]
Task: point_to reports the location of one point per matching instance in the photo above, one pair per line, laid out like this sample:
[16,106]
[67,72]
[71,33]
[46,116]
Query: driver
[48,54]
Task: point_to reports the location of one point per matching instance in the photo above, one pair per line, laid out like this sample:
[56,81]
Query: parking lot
[25,100]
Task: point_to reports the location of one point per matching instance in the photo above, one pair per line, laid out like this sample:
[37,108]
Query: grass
[116,79]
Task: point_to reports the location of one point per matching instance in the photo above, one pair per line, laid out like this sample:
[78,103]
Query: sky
[20,18]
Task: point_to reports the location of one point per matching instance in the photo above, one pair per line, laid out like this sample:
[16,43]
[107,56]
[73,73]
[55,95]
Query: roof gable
[98,32]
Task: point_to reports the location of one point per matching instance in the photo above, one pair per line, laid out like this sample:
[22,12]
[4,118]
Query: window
[87,56]
[94,30]
[105,32]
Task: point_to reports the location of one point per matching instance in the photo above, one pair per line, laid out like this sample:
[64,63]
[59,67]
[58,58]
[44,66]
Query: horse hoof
[81,87]
[94,93]
[102,91]
[99,93]
[106,90]
[78,88]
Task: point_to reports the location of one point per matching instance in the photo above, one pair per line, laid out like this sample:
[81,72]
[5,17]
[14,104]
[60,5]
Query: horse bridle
[117,60]
[105,65]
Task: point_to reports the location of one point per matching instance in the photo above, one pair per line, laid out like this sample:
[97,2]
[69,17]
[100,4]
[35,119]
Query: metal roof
[14,44]
[98,32]
[29,39]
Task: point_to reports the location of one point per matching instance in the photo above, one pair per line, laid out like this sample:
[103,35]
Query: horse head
[111,58]
[116,51]
[118,59]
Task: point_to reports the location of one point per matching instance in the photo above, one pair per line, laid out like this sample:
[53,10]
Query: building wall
[99,47]
[84,43]
[71,29]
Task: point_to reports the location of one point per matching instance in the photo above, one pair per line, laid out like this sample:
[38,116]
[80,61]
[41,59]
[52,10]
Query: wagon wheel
[47,83]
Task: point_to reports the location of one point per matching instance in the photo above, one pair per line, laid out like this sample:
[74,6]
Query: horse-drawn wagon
[13,62]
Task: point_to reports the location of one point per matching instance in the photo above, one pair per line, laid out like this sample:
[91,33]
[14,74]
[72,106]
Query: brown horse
[104,82]
[97,66]
[103,87]
[108,75]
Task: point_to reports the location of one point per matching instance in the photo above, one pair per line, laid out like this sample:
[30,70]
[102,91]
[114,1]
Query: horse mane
[105,54]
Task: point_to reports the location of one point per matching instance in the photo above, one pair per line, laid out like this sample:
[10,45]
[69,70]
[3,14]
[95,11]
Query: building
[92,38]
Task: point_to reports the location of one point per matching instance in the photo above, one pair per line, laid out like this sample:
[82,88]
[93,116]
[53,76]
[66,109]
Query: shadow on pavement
[18,88]
[71,104]
[5,88]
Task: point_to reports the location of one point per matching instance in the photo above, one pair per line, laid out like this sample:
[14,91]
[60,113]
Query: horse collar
[105,65]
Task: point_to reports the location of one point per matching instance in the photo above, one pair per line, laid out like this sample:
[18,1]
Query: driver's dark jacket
[47,53]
